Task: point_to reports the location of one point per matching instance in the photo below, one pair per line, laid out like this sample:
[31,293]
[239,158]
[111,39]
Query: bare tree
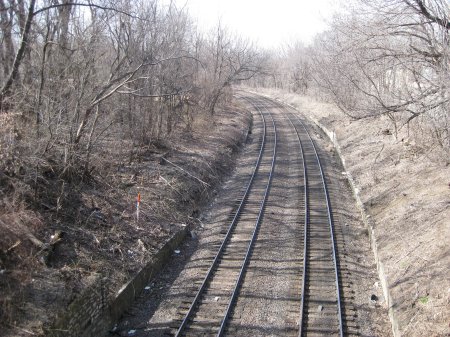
[389,57]
[228,59]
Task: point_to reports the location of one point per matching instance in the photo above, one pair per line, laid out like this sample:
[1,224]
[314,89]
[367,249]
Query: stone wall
[84,310]
[95,311]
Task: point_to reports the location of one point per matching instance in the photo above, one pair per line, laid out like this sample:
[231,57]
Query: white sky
[270,23]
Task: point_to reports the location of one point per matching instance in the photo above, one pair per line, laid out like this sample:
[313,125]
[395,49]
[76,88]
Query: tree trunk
[6,90]
[7,47]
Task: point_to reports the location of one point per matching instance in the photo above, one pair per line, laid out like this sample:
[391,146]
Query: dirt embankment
[90,226]
[406,195]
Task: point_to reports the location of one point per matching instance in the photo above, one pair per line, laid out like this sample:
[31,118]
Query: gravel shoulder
[406,195]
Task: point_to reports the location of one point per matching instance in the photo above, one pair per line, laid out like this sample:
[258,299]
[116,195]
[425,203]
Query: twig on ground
[10,249]
[378,154]
[170,185]
[183,170]
[23,330]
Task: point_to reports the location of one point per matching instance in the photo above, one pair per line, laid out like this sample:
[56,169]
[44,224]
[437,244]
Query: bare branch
[91,5]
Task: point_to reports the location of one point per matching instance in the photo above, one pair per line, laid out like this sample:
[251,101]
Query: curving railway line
[274,270]
[319,310]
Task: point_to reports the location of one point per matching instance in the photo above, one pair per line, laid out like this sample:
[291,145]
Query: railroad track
[209,312]
[321,307]
[319,310]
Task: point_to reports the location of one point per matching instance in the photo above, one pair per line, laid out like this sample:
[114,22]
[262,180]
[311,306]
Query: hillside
[52,248]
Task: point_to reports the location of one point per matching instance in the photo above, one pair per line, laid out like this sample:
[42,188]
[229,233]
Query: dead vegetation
[60,228]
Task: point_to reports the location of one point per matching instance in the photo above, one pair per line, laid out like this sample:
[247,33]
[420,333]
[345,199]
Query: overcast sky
[268,22]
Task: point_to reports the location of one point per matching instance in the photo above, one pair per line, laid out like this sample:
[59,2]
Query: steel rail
[333,242]
[305,231]
[254,234]
[227,236]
